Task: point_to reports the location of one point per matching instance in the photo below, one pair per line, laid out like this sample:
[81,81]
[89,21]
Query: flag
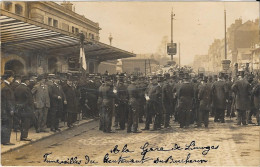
[83,58]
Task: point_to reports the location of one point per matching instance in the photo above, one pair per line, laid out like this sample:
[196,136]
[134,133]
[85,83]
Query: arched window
[18,9]
[8,6]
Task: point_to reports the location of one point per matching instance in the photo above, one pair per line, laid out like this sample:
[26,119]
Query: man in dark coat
[167,100]
[185,95]
[106,96]
[16,119]
[133,111]
[242,91]
[70,108]
[24,106]
[120,90]
[204,96]
[57,101]
[7,107]
[219,97]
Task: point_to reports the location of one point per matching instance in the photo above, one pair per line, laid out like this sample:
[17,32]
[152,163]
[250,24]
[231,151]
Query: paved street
[229,145]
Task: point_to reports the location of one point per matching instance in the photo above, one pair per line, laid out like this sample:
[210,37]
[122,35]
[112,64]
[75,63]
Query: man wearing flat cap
[24,106]
[167,100]
[7,107]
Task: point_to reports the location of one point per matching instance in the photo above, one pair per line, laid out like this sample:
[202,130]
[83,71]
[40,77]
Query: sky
[139,27]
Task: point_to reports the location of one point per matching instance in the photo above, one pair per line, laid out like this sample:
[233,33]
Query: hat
[241,72]
[133,77]
[153,77]
[221,74]
[25,78]
[166,75]
[8,74]
[40,77]
[205,78]
[51,75]
[186,75]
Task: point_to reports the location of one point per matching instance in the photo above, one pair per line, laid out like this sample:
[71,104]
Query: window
[18,9]
[55,23]
[76,30]
[65,27]
[50,21]
[72,29]
[8,6]
[92,36]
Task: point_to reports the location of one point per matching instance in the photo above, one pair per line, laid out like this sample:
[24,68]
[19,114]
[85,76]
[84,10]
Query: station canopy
[22,34]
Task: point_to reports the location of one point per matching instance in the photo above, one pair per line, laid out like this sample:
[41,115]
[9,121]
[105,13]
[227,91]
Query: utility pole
[172,32]
[179,55]
[225,35]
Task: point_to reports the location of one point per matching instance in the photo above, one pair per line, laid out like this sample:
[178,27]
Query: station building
[43,37]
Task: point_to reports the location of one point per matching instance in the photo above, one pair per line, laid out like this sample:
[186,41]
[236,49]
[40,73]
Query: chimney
[67,5]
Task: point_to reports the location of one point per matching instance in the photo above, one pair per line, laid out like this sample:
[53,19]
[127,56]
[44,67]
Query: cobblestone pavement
[230,145]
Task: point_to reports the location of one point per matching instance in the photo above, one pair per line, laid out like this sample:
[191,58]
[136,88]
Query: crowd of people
[44,101]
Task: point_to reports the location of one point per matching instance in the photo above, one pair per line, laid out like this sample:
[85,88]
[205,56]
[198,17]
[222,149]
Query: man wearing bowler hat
[185,95]
[7,107]
[24,106]
[219,97]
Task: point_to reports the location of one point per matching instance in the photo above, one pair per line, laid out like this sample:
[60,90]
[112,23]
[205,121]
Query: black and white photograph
[130,83]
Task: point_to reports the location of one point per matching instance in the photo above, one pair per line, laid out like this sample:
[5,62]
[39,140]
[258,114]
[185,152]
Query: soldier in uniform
[219,97]
[7,107]
[141,89]
[120,90]
[204,96]
[167,100]
[242,91]
[24,106]
[106,96]
[153,102]
[133,111]
[185,95]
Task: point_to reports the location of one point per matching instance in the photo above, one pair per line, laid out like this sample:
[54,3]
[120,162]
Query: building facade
[43,37]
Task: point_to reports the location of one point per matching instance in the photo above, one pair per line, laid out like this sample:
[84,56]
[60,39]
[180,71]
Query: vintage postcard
[130,83]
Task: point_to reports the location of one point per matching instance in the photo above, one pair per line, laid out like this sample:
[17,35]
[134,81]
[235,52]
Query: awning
[20,33]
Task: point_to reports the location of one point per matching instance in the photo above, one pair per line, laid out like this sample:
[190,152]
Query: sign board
[171,48]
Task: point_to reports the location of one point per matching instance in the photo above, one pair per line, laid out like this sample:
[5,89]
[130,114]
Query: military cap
[8,74]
